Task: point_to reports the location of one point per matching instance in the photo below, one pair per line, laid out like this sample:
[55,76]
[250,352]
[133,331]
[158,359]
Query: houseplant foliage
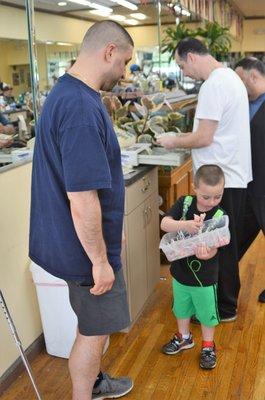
[216,38]
[173,36]
[142,122]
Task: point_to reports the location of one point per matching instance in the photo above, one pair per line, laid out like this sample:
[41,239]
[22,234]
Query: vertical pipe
[158,6]
[34,77]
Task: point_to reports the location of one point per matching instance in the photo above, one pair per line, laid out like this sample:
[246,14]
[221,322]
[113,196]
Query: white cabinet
[141,250]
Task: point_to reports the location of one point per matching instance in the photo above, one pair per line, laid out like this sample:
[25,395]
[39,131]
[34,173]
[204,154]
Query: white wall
[15,278]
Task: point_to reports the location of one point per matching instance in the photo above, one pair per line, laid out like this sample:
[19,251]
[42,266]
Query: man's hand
[5,142]
[103,276]
[168,141]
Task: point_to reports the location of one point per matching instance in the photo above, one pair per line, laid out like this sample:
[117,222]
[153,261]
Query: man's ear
[253,75]
[110,51]
[191,57]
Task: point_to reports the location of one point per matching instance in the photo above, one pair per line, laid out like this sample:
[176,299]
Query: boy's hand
[192,226]
[204,252]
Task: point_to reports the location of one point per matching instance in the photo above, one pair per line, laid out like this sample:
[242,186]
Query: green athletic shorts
[196,300]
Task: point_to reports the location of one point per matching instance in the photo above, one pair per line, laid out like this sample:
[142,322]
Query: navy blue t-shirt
[76,149]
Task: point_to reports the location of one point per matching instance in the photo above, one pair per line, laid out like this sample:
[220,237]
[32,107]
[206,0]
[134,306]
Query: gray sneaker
[112,388]
[177,344]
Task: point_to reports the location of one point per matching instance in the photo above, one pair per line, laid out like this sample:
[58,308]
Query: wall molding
[16,369]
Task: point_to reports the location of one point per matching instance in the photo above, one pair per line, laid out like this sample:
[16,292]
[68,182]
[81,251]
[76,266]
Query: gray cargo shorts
[103,314]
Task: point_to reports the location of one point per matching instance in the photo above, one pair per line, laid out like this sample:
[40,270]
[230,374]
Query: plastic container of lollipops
[213,233]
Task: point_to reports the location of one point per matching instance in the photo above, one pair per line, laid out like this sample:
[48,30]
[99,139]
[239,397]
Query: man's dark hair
[210,174]
[250,63]
[191,45]
[104,32]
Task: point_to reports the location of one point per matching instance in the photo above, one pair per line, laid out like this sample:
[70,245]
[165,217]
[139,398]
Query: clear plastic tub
[214,233]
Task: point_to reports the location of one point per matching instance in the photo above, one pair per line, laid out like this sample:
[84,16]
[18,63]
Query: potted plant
[173,37]
[216,38]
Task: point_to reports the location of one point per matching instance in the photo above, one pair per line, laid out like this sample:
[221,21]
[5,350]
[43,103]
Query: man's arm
[202,137]
[87,218]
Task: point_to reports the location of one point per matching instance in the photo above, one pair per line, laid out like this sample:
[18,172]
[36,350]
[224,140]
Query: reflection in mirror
[58,58]
[15,100]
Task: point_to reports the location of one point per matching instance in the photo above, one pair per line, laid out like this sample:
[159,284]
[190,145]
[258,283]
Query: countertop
[140,171]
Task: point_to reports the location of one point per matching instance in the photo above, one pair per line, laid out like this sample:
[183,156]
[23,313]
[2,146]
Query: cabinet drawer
[140,190]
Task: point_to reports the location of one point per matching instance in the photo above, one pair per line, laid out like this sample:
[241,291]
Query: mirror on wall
[15,88]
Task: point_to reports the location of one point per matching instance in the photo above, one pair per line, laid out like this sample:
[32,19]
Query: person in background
[4,142]
[77,204]
[195,277]
[134,68]
[8,95]
[5,126]
[221,136]
[252,73]
[2,85]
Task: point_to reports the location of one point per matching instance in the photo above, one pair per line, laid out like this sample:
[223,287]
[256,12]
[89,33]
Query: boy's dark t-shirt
[187,269]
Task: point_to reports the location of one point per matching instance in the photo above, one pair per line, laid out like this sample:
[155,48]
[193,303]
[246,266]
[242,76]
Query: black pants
[254,221]
[233,202]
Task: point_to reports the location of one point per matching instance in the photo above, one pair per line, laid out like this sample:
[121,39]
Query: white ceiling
[249,8]
[82,12]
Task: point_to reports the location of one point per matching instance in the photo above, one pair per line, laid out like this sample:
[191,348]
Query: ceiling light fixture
[63,44]
[138,16]
[117,17]
[181,10]
[91,5]
[131,21]
[102,13]
[62,3]
[126,4]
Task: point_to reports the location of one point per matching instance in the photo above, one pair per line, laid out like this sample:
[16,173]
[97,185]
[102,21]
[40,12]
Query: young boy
[195,277]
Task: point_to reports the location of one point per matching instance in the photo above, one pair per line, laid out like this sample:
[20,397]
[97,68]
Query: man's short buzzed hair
[191,45]
[250,63]
[104,32]
[210,174]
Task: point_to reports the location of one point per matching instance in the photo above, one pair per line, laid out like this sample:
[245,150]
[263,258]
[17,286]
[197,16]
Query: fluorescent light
[91,5]
[126,4]
[117,17]
[100,12]
[82,2]
[138,16]
[63,44]
[131,21]
[48,42]
[181,10]
[62,3]
[185,12]
[100,7]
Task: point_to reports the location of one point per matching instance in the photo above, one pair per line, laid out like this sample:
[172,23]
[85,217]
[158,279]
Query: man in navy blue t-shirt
[77,203]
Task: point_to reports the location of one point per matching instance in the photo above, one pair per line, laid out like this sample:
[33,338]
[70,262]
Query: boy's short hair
[210,174]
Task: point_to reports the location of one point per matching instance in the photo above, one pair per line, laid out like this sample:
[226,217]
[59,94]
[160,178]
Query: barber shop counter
[140,253]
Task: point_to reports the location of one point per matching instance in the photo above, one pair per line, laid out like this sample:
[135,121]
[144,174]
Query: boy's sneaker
[208,358]
[177,344]
[112,388]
